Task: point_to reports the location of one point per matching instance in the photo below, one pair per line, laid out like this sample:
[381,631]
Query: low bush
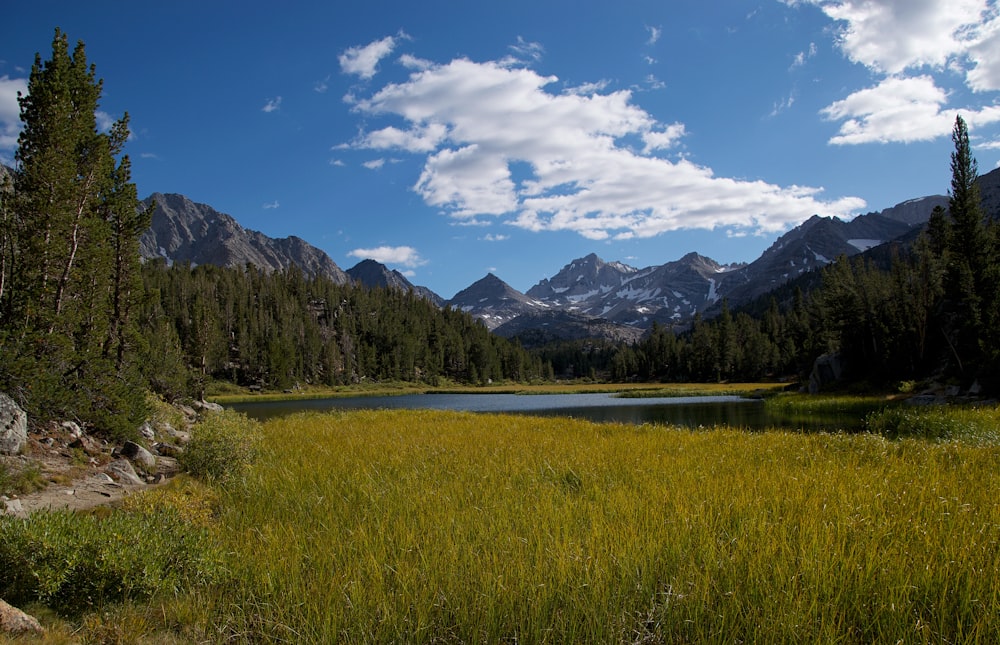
[73,562]
[221,446]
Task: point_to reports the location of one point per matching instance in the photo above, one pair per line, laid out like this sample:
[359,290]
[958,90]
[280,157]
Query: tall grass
[428,526]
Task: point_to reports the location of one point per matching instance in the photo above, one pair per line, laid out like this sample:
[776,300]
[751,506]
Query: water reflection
[690,412]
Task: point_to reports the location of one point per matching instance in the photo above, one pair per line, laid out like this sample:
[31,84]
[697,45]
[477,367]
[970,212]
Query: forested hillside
[282,328]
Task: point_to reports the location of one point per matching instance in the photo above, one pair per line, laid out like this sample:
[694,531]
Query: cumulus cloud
[914,49]
[10,111]
[406,256]
[586,161]
[894,35]
[363,61]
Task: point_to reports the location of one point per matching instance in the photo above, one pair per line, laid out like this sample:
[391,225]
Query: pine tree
[71,253]
[966,256]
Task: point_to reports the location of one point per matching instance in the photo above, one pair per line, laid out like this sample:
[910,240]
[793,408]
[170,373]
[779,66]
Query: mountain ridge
[605,293]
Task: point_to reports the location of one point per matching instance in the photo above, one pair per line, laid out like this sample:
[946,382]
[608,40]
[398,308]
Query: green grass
[970,424]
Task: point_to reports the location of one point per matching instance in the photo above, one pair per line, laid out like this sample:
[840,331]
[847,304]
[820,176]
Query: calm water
[692,412]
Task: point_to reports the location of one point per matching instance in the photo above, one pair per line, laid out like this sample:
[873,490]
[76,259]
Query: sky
[449,139]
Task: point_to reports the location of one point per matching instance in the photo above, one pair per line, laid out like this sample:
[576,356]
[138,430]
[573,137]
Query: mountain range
[589,297]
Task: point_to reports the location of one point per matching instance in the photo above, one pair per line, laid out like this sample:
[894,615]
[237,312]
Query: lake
[690,412]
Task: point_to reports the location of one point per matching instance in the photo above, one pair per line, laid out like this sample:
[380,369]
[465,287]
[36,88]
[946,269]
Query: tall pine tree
[72,254]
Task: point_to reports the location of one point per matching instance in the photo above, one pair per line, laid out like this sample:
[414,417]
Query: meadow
[438,527]
[451,527]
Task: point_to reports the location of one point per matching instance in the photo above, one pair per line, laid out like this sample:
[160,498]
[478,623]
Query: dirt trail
[80,495]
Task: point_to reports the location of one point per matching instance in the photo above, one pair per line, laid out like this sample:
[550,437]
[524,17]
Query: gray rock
[73,428]
[122,471]
[139,455]
[13,426]
[827,369]
[146,430]
[208,405]
[14,621]
[12,507]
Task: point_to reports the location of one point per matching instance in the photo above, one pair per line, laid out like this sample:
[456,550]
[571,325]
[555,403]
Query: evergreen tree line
[282,329]
[931,311]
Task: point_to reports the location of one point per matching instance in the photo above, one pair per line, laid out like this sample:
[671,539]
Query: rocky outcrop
[13,426]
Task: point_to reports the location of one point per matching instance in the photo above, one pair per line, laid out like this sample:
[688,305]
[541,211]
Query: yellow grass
[427,526]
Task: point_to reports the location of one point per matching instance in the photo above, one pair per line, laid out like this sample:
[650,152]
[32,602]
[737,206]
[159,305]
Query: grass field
[449,527]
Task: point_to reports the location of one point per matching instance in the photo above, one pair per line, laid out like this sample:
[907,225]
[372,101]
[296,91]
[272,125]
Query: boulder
[139,455]
[12,507]
[13,426]
[827,369]
[13,621]
[87,444]
[122,471]
[146,430]
[73,428]
[208,405]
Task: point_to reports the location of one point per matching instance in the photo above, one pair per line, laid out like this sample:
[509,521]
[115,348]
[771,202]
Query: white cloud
[10,111]
[589,88]
[662,139]
[270,205]
[527,50]
[404,255]
[584,171]
[490,237]
[418,139]
[272,105]
[914,48]
[802,57]
[654,34]
[363,61]
[892,36]
[322,86]
[900,110]
[984,55]
[374,164]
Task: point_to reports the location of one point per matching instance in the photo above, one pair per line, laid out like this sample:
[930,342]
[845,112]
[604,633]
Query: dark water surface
[691,412]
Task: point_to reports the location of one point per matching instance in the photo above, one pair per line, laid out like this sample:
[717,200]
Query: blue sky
[449,139]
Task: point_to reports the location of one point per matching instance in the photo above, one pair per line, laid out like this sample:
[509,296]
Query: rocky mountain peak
[185,231]
[494,301]
[373,274]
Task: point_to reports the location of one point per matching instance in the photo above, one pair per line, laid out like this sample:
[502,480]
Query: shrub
[222,444]
[74,562]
